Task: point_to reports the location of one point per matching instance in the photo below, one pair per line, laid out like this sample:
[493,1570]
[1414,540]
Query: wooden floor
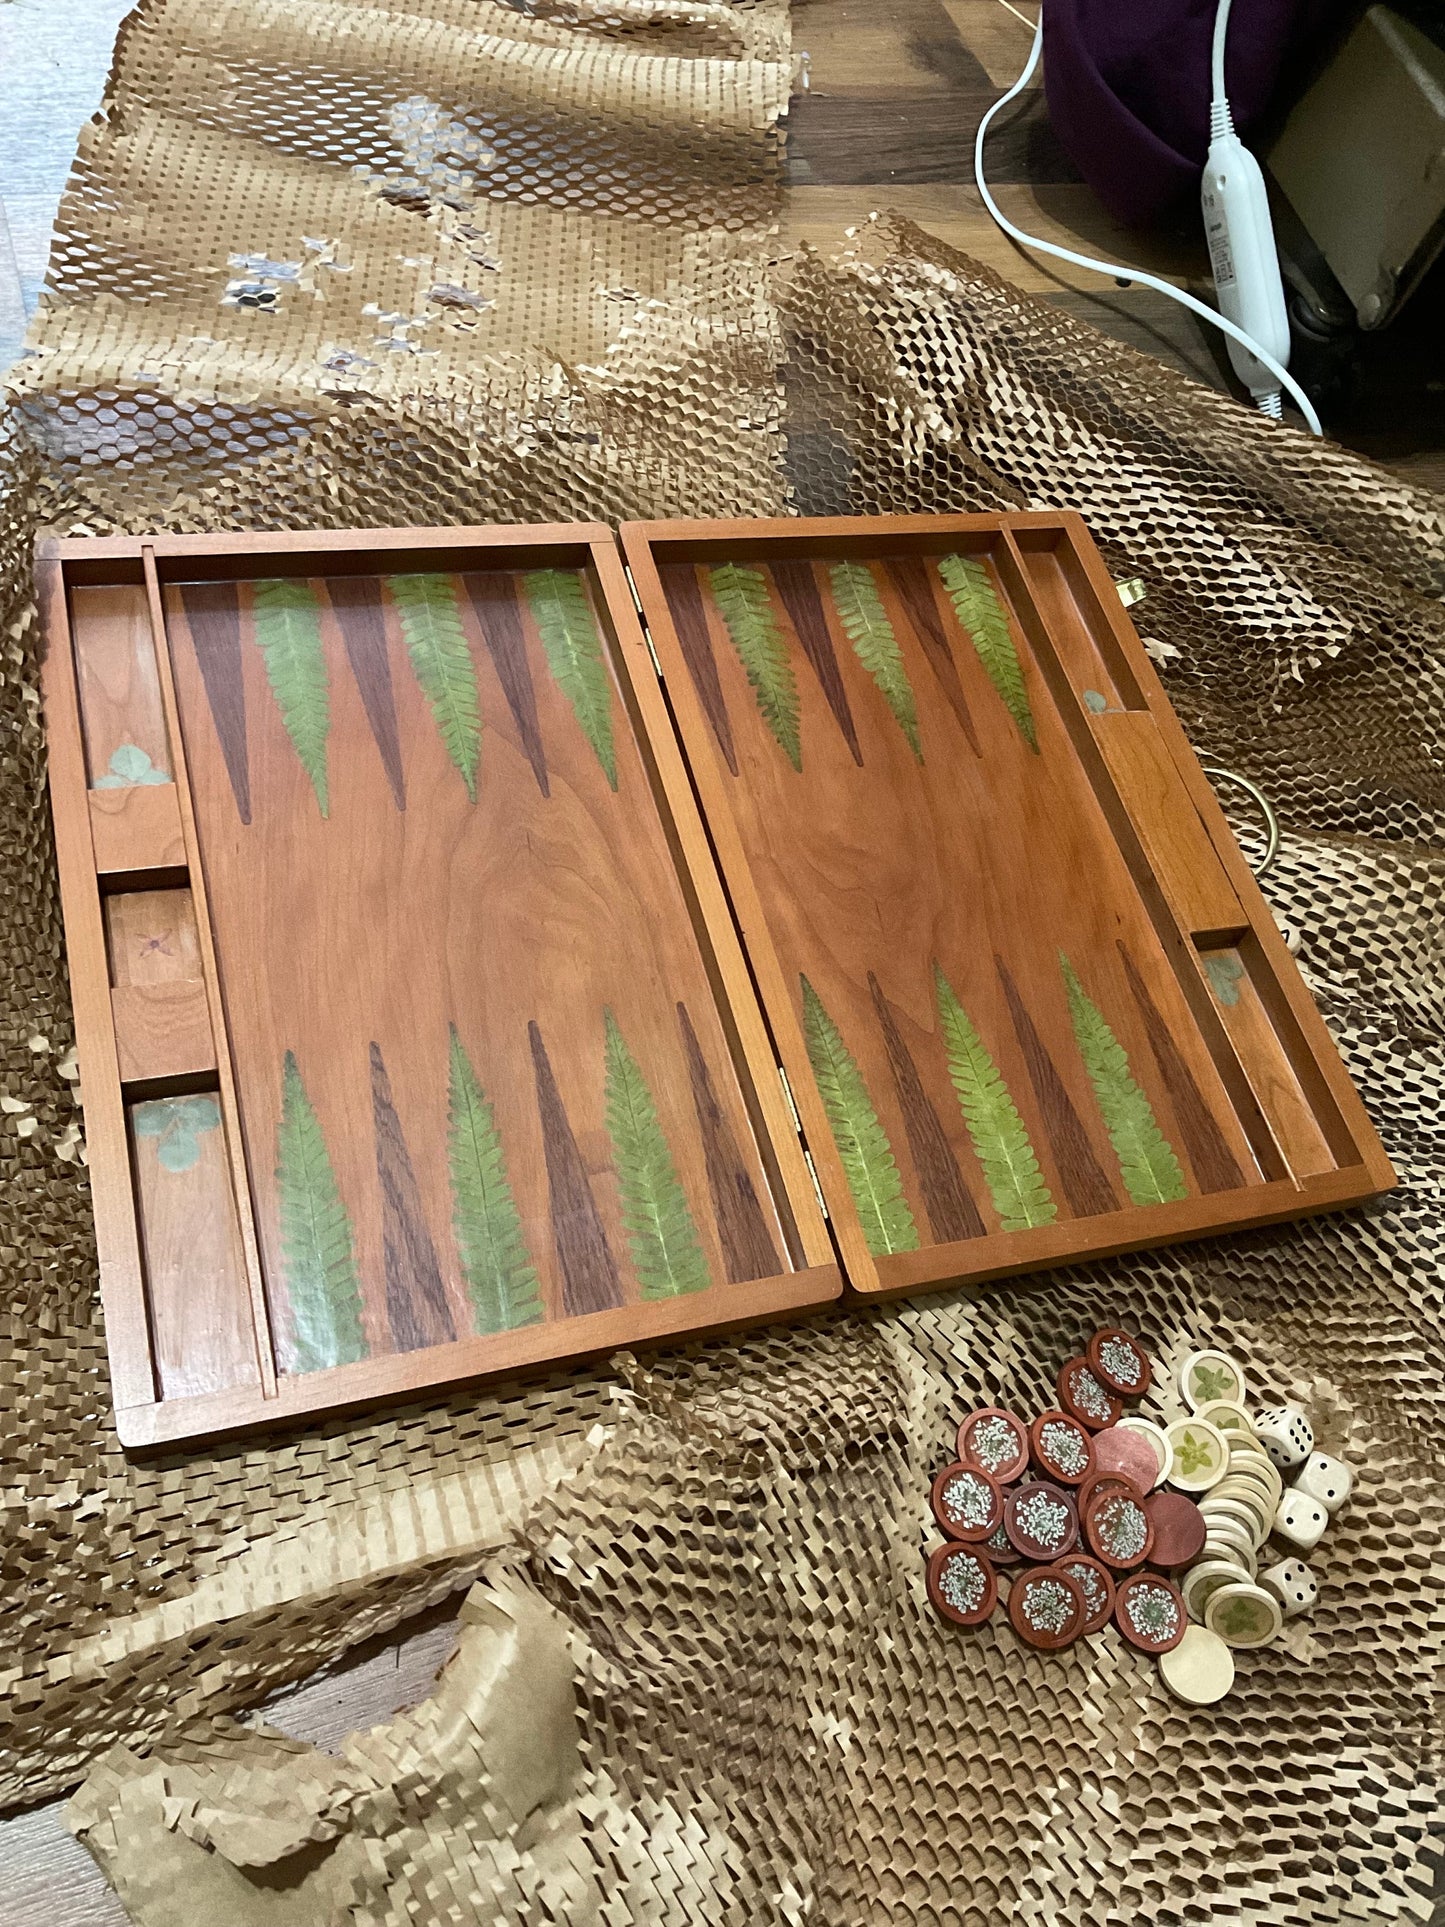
[896,95]
[895,98]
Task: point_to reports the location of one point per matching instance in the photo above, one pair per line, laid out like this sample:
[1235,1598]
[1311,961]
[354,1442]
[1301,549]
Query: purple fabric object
[1127,85]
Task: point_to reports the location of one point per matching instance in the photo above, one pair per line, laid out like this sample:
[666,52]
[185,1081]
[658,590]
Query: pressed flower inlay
[1064,1448]
[1120,1360]
[1092,1587]
[1089,1395]
[967,1499]
[1123,1527]
[1044,1518]
[1153,1612]
[963,1583]
[1049,1606]
[994,1443]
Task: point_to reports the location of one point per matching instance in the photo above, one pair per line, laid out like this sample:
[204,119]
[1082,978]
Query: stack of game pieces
[1245,1501]
[1091,1516]
[1058,1507]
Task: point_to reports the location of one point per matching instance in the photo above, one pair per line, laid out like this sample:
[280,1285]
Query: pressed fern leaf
[860,608]
[981,616]
[742,599]
[288,629]
[1151,1172]
[431,626]
[493,1250]
[574,654]
[660,1228]
[862,1142]
[1000,1139]
[316,1249]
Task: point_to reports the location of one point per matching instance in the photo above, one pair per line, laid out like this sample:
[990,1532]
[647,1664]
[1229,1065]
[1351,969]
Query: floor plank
[47,1879]
[995,36]
[893,136]
[855,47]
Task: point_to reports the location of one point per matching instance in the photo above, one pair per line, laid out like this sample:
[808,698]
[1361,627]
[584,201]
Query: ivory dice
[1286,1435]
[1300,1521]
[1329,1480]
[1293,1585]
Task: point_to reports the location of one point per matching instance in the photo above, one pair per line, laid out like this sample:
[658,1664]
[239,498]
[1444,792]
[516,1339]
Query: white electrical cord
[1112,269]
[1221,121]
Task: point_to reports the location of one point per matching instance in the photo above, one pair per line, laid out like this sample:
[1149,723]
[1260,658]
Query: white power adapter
[1251,312]
[1242,252]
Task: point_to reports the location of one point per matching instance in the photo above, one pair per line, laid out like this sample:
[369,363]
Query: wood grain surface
[873,867]
[415,1239]
[120,697]
[1233,975]
[162,1032]
[355,941]
[152,937]
[478,1007]
[1002,1014]
[117,1236]
[195,1269]
[136,833]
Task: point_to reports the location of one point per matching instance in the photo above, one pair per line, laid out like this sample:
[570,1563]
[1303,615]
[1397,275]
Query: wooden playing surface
[1039,1012]
[500,926]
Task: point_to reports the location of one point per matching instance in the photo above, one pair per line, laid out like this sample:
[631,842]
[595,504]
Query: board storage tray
[470,975]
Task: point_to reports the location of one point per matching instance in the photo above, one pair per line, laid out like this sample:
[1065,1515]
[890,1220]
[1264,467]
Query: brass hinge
[642,623]
[817,1188]
[798,1127]
[788,1094]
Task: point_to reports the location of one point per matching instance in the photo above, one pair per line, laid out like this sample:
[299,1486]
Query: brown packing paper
[766,1710]
[254,1829]
[769,1724]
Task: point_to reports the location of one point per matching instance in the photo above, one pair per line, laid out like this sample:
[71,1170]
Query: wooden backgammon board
[482,960]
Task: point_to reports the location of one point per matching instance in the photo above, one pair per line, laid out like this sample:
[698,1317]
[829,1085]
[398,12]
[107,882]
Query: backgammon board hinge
[642,623]
[788,1094]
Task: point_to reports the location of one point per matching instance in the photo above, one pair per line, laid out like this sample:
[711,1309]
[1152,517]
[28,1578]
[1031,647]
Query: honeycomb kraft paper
[345,264]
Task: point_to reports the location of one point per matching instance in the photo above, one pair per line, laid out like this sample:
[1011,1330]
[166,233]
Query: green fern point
[1151,1172]
[981,615]
[431,626]
[742,598]
[574,654]
[863,1147]
[288,629]
[865,621]
[660,1227]
[488,1227]
[316,1249]
[1000,1138]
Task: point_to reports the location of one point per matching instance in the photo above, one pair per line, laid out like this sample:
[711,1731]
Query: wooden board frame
[1193,881]
[163,1032]
[127,839]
